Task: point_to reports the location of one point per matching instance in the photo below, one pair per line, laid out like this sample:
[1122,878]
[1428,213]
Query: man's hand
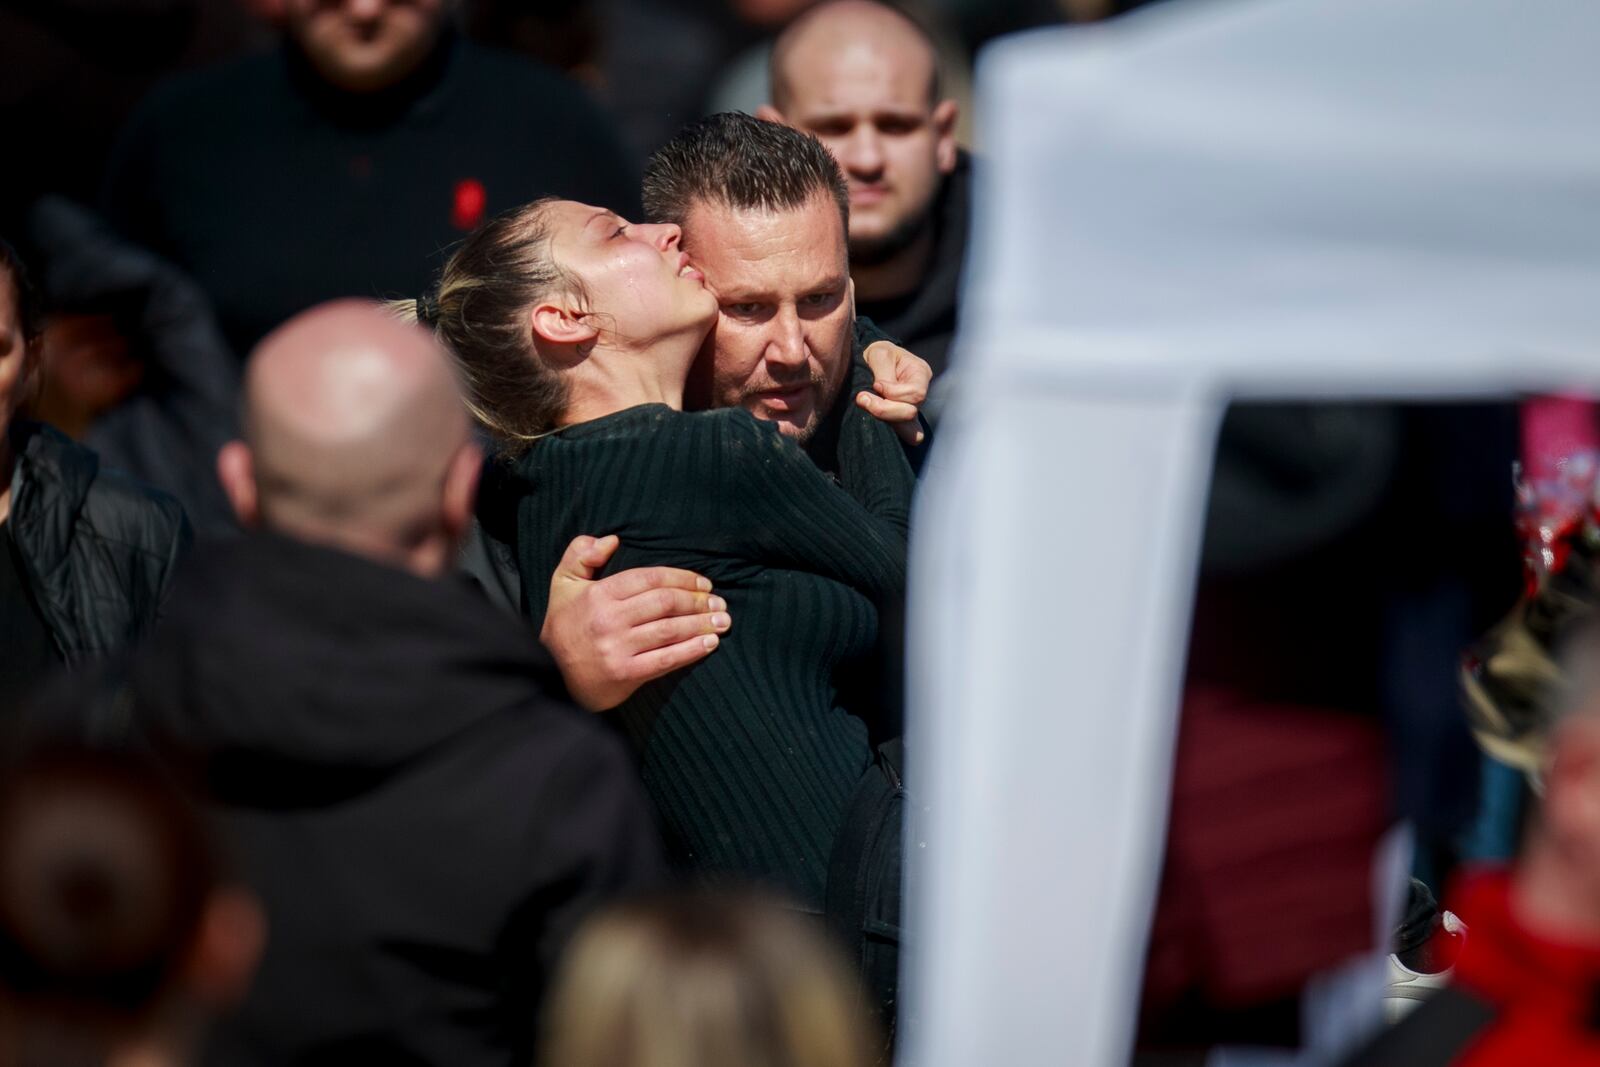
[611,636]
[901,385]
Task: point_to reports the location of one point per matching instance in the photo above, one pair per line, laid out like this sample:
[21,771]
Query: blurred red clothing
[1276,814]
[1517,998]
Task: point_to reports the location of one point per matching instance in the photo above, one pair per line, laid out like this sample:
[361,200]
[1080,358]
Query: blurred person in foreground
[714,980]
[345,161]
[1524,987]
[86,555]
[120,934]
[864,79]
[424,822]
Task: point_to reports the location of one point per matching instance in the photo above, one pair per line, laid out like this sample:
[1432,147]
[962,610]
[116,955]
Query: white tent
[1211,198]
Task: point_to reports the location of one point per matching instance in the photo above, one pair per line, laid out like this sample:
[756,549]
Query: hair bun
[428,310]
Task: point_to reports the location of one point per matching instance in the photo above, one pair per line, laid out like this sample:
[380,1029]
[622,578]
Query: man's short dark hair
[30,309]
[743,163]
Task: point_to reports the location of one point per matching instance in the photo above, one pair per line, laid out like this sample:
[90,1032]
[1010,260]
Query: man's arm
[611,635]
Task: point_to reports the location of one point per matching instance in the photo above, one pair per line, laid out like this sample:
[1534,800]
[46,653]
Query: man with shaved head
[356,437]
[864,78]
[422,820]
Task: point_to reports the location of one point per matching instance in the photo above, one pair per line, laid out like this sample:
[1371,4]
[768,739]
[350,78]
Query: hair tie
[428,310]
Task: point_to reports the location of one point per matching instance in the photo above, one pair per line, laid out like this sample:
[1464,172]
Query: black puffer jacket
[97,548]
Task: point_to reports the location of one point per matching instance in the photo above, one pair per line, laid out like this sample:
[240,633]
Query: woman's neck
[615,379]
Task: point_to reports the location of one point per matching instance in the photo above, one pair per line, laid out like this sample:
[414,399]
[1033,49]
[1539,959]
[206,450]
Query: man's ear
[768,113]
[236,470]
[461,489]
[227,946]
[944,130]
[558,324]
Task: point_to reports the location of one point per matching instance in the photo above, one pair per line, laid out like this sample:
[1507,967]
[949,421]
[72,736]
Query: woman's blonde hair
[479,310]
[706,980]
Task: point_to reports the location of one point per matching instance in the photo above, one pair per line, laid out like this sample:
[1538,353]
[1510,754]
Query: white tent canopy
[1212,198]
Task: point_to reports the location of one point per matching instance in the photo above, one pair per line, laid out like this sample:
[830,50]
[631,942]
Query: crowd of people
[337,617]
[453,574]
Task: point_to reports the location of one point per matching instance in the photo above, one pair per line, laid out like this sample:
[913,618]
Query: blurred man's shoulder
[230,88]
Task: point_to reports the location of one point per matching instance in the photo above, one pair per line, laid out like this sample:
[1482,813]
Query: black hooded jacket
[925,321]
[423,823]
[96,549]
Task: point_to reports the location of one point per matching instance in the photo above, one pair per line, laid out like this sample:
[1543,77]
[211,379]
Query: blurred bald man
[356,437]
[864,78]
[422,820]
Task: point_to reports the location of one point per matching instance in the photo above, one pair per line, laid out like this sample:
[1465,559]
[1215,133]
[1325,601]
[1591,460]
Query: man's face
[869,103]
[364,45]
[781,345]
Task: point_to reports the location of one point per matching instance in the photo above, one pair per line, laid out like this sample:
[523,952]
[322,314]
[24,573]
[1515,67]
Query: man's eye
[619,231]
[817,300]
[744,309]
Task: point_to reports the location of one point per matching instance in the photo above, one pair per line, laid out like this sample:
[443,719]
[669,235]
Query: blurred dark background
[71,71]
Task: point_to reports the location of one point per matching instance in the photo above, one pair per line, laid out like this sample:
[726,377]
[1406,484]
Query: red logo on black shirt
[470,200]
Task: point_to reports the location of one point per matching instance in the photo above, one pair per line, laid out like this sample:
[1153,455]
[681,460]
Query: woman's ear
[559,324]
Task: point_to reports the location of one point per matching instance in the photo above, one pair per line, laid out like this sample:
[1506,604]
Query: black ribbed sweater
[748,755]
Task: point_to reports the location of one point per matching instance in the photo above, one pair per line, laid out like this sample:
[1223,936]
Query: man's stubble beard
[874,251]
[819,409]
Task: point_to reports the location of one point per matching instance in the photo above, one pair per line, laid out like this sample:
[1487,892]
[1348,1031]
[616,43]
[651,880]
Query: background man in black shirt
[345,162]
[864,79]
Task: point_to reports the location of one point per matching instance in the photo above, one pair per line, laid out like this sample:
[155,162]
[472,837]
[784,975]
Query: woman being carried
[576,332]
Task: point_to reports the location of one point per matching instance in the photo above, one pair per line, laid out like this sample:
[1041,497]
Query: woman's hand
[610,636]
[900,383]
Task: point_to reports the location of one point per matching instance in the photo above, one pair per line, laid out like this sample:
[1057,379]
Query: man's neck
[897,276]
[1554,897]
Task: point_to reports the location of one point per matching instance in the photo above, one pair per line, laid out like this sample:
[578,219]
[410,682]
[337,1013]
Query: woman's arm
[792,514]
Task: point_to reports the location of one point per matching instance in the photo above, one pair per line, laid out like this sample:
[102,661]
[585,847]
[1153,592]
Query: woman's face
[14,355]
[634,275]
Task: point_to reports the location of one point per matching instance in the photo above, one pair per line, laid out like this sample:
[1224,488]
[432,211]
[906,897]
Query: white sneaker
[1406,988]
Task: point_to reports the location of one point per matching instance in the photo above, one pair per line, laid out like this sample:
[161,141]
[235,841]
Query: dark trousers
[864,880]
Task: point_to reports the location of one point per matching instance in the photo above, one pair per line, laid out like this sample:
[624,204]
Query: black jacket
[275,191]
[423,823]
[97,549]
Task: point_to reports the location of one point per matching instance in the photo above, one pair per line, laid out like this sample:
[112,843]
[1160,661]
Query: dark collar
[418,95]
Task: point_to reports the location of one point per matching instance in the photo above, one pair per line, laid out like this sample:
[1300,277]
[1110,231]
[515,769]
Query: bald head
[834,37]
[863,78]
[356,435]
